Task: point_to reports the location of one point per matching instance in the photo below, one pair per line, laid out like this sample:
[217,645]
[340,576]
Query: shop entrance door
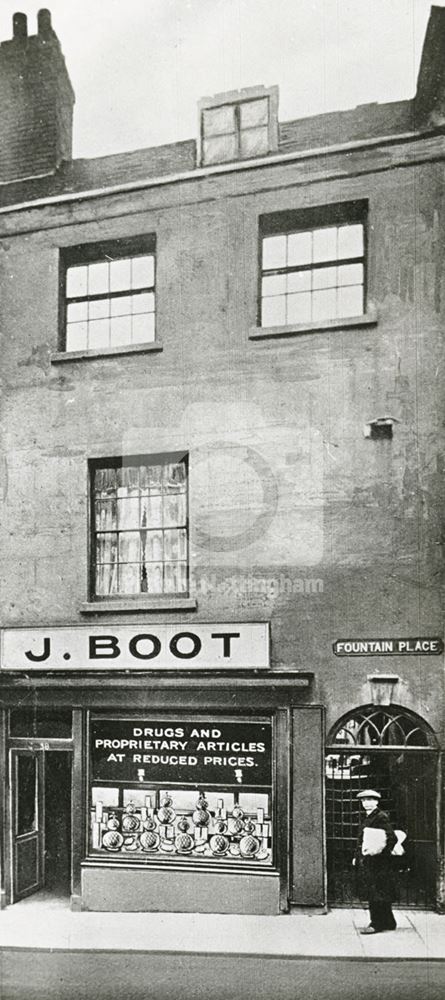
[40,821]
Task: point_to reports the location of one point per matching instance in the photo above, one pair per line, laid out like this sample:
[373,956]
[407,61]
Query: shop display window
[145,816]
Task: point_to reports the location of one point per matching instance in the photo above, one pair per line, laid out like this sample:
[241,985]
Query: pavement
[40,923]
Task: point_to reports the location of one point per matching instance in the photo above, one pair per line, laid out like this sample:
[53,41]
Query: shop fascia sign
[242,646]
[418,646]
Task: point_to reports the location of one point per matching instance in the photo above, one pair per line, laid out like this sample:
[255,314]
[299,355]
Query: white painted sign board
[242,646]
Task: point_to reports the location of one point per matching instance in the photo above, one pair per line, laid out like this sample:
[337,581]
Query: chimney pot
[20,26]
[44,25]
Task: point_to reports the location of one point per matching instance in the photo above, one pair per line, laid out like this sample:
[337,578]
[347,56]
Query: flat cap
[369,793]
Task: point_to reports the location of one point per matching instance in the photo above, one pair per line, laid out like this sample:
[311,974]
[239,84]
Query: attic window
[239,125]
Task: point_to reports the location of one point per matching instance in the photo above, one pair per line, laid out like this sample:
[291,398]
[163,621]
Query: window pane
[129,579]
[217,121]
[26,793]
[143,272]
[151,511]
[324,304]
[76,281]
[98,281]
[98,308]
[98,333]
[171,545]
[121,306]
[129,546]
[324,277]
[106,548]
[120,331]
[299,249]
[154,578]
[106,579]
[76,311]
[274,252]
[143,303]
[325,244]
[299,308]
[350,300]
[299,281]
[143,329]
[77,337]
[274,311]
[174,509]
[128,513]
[172,578]
[350,274]
[174,479]
[350,241]
[105,515]
[120,271]
[254,142]
[127,478]
[105,481]
[253,113]
[274,284]
[154,548]
[221,149]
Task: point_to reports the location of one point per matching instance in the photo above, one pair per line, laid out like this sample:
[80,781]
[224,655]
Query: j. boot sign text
[154,647]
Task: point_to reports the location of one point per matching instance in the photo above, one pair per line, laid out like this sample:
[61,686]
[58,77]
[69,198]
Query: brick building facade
[222,418]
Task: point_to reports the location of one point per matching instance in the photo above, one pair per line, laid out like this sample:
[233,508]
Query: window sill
[138,604]
[263,332]
[109,352]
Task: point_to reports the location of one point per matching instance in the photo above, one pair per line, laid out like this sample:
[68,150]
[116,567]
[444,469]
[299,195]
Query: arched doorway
[396,752]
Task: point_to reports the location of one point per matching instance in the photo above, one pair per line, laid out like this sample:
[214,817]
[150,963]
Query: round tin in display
[183,824]
[249,846]
[201,817]
[130,823]
[113,822]
[184,843]
[235,825]
[220,826]
[149,841]
[166,815]
[219,844]
[237,812]
[112,840]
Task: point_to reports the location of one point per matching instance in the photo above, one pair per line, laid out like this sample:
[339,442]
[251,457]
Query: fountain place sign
[389,647]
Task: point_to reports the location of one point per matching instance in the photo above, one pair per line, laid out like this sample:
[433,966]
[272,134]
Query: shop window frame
[100,857]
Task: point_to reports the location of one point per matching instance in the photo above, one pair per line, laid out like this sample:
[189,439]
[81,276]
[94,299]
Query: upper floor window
[313,265]
[139,526]
[239,125]
[109,295]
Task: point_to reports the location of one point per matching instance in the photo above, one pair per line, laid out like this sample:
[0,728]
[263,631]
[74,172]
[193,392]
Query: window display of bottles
[163,827]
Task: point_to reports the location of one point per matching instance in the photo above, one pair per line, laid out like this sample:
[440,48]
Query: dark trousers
[382,917]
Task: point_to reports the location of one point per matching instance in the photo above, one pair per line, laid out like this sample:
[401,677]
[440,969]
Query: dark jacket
[376,871]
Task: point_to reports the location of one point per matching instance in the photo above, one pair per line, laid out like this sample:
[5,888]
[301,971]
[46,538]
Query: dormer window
[239,125]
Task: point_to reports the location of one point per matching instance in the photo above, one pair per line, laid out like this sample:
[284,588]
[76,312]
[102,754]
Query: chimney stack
[429,102]
[36,102]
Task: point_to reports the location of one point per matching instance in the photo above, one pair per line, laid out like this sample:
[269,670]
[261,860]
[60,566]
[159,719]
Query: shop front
[190,788]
